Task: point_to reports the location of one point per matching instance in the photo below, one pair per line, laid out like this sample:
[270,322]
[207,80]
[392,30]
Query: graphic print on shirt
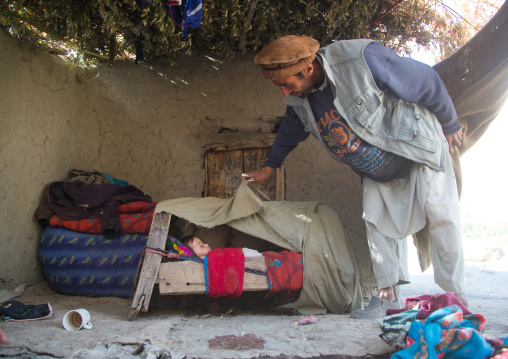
[347,145]
[335,132]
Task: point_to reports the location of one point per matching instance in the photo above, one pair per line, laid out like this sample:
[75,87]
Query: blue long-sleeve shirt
[409,79]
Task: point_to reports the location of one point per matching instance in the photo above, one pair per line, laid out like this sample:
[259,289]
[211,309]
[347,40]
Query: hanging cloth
[188,14]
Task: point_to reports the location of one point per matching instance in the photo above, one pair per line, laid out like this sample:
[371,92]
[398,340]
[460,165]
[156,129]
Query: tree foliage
[459,22]
[112,29]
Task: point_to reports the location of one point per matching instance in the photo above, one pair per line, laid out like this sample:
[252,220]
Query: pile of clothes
[439,326]
[95,230]
[94,203]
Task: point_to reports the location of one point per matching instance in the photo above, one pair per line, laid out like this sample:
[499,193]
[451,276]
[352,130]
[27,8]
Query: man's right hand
[258,175]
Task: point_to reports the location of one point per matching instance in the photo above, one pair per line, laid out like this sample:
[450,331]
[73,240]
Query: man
[391,119]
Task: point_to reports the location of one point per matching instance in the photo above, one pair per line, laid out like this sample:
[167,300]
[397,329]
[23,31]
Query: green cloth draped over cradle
[330,278]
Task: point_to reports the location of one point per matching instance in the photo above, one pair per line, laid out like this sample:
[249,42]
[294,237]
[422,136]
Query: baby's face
[201,249]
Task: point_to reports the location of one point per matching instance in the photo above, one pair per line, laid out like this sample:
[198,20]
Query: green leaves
[89,25]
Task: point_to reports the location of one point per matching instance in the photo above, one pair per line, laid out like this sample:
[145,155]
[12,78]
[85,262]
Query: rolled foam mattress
[85,264]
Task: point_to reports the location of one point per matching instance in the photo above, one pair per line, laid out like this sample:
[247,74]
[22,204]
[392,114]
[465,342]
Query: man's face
[298,85]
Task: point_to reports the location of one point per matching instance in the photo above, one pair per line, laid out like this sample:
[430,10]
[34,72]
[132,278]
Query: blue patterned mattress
[85,264]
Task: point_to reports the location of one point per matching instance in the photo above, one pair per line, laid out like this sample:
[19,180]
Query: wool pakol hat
[286,56]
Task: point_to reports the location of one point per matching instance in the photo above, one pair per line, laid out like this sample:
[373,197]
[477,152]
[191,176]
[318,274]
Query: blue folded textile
[446,333]
[86,264]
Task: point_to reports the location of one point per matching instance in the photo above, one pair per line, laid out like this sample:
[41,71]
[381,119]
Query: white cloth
[247,252]
[401,207]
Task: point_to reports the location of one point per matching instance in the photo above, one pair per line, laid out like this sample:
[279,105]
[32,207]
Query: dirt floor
[182,333]
[210,332]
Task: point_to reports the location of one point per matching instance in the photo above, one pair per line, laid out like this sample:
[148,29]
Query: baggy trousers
[401,207]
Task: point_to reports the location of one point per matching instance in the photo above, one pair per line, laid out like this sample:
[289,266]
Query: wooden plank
[256,263]
[187,277]
[280,184]
[238,141]
[224,167]
[151,264]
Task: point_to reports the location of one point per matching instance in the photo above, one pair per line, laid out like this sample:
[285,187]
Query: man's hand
[257,175]
[454,139]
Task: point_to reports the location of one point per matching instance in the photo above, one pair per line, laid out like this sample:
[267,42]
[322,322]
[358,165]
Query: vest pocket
[368,111]
[412,127]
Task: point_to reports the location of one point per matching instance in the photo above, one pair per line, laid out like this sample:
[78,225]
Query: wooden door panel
[224,169]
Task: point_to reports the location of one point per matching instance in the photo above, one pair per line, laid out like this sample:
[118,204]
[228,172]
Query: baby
[194,243]
[201,249]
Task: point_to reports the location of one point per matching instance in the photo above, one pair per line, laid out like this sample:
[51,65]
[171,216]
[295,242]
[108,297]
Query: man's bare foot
[3,337]
[389,294]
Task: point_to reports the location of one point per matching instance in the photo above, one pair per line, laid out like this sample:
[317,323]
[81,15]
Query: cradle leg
[134,311]
[151,264]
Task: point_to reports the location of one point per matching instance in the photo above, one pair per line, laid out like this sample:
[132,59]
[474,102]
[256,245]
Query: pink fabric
[429,303]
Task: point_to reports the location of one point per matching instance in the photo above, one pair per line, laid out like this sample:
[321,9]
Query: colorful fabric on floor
[395,328]
[447,333]
[224,272]
[428,304]
[175,246]
[285,271]
[135,217]
[87,264]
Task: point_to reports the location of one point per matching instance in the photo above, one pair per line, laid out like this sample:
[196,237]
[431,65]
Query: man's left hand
[454,139]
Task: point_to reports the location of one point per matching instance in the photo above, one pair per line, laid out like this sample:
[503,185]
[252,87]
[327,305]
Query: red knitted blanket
[224,268]
[285,271]
[135,217]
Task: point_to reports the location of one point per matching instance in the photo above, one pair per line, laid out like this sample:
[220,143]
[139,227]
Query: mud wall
[148,125]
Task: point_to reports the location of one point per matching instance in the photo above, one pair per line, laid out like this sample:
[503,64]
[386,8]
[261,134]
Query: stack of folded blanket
[95,229]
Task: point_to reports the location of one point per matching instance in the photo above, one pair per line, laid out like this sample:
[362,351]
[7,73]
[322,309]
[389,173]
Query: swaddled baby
[202,249]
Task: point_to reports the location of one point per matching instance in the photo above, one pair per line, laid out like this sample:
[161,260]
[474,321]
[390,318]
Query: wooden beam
[188,277]
[151,263]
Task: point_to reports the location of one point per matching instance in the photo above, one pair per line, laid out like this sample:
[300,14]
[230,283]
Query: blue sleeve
[290,133]
[412,81]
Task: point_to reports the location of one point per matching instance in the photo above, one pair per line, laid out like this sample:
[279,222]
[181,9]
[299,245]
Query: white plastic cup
[77,319]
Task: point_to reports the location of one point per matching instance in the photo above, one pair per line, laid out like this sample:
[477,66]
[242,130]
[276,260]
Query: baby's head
[194,243]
